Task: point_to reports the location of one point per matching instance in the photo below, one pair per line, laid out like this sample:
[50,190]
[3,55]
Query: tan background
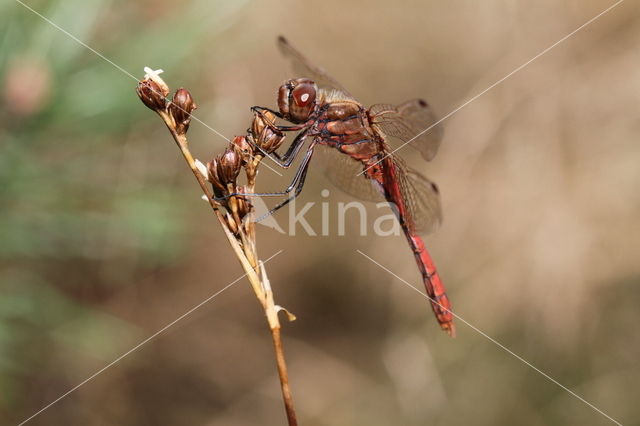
[104,240]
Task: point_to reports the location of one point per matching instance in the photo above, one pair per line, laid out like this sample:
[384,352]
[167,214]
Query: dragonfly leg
[301,175]
[288,157]
[294,183]
[261,110]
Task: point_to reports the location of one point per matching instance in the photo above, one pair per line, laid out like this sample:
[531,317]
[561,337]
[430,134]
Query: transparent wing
[420,196]
[413,122]
[305,68]
[346,174]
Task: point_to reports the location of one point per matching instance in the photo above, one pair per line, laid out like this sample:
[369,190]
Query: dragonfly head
[297,99]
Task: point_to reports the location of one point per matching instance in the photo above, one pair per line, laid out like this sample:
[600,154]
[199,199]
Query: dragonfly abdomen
[395,195]
[435,289]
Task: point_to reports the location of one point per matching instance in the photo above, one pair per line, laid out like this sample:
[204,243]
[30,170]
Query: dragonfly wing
[414,122]
[345,173]
[305,68]
[420,196]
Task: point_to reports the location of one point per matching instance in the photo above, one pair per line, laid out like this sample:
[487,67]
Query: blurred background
[104,240]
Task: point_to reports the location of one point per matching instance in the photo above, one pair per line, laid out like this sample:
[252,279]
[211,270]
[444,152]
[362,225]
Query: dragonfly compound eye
[304,93]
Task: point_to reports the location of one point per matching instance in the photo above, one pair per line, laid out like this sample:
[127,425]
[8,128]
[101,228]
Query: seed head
[260,121]
[152,90]
[270,140]
[218,188]
[154,75]
[230,163]
[150,94]
[244,147]
[224,169]
[180,109]
[264,133]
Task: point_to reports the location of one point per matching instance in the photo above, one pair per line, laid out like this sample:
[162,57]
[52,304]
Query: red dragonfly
[364,165]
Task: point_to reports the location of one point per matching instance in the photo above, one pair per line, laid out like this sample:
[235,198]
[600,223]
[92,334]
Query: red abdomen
[387,176]
[435,289]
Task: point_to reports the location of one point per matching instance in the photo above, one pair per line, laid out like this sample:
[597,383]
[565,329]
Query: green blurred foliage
[75,212]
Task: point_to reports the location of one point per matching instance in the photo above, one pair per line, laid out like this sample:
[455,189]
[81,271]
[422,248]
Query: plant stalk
[246,254]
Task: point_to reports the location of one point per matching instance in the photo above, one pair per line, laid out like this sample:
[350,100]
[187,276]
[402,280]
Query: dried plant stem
[246,254]
[274,325]
[251,270]
[284,376]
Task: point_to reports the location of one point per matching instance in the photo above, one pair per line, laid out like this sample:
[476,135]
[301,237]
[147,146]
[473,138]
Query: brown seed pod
[260,121]
[244,147]
[264,133]
[181,108]
[230,164]
[219,188]
[224,169]
[271,140]
[152,95]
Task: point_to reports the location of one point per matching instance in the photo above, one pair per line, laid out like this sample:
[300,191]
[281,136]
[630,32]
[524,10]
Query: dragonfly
[358,158]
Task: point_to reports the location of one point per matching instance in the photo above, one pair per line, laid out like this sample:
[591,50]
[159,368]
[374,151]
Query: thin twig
[274,324]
